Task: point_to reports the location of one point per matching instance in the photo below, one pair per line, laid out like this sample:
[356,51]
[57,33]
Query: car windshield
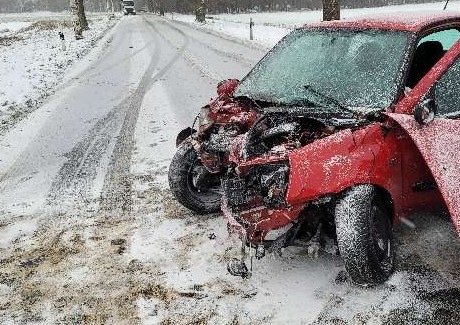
[331,69]
[128,3]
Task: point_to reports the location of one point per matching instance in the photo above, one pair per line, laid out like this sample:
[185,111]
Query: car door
[438,141]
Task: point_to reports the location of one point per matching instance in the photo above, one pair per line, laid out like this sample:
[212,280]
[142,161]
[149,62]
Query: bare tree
[21,4]
[200,12]
[109,6]
[79,22]
[82,15]
[331,10]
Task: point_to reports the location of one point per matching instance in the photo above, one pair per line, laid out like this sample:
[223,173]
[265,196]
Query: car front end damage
[217,126]
[202,157]
[286,174]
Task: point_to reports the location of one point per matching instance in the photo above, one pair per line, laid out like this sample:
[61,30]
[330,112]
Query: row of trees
[189,6]
[55,5]
[241,6]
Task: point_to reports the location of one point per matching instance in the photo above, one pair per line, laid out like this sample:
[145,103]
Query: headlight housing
[203,118]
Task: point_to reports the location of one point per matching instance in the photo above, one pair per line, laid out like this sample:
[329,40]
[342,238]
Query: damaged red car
[358,125]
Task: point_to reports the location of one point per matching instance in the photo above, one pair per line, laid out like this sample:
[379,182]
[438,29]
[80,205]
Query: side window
[429,50]
[447,91]
[446,37]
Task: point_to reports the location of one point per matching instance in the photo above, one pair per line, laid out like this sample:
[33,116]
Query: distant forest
[188,6]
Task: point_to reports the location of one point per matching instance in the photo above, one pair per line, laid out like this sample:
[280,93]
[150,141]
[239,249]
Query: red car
[359,126]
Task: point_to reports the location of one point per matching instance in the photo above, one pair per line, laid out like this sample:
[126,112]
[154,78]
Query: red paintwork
[371,155]
[225,109]
[394,154]
[227,87]
[411,22]
[262,220]
[439,144]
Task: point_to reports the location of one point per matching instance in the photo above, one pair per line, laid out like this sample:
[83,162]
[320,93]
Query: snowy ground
[91,233]
[33,61]
[271,26]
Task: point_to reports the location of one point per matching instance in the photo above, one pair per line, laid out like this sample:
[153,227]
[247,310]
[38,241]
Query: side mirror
[227,87]
[425,111]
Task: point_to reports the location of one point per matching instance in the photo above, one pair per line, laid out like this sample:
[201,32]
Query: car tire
[365,235]
[181,182]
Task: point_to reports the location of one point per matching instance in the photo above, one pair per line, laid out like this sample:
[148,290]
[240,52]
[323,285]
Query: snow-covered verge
[270,27]
[33,61]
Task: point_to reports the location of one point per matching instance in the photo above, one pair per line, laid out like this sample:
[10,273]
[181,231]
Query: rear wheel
[192,185]
[365,235]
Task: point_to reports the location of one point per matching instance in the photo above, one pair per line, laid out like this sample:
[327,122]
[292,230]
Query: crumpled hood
[439,144]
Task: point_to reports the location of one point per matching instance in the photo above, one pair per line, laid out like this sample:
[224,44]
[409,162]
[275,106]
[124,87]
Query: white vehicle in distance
[128,7]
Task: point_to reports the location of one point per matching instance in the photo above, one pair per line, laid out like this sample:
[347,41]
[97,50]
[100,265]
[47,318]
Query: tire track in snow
[75,179]
[193,61]
[117,188]
[233,56]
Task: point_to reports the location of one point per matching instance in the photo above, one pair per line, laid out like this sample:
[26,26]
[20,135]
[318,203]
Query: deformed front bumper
[254,224]
[254,200]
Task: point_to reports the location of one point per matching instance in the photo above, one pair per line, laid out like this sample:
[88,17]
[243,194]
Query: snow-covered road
[91,234]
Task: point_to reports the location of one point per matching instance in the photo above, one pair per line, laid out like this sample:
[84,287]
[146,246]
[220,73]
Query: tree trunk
[150,6]
[109,6]
[331,10]
[82,15]
[200,12]
[77,27]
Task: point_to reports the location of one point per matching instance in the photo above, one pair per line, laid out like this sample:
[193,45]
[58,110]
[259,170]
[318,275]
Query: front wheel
[365,235]
[192,185]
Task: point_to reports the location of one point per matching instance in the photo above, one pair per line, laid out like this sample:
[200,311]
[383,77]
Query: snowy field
[76,262]
[33,61]
[271,26]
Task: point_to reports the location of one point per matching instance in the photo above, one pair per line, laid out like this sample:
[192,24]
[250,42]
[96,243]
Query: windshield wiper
[329,99]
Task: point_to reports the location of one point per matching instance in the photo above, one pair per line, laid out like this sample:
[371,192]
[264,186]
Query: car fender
[332,164]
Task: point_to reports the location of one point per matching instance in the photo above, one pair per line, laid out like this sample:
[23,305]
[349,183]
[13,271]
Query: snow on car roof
[407,21]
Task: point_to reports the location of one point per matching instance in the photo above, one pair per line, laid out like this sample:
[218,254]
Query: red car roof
[407,21]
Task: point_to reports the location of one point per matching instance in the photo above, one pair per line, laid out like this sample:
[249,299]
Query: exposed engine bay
[256,183]
[279,133]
